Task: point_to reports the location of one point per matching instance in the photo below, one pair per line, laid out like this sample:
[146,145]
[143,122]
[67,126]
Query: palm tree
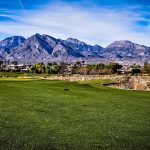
[1,65]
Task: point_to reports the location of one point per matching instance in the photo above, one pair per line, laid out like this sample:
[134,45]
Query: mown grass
[96,83]
[11,74]
[41,115]
[16,79]
[21,74]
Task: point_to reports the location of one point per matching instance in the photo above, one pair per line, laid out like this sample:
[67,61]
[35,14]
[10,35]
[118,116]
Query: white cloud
[95,26]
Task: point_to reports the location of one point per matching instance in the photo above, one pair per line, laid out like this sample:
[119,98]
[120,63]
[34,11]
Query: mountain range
[44,48]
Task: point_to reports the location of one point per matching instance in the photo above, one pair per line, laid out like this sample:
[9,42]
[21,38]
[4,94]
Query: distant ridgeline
[44,48]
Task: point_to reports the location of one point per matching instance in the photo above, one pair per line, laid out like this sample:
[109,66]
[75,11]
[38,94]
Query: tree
[136,69]
[78,63]
[15,62]
[114,67]
[63,68]
[38,68]
[1,65]
[146,67]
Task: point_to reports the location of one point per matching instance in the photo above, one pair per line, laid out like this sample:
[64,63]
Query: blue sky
[93,21]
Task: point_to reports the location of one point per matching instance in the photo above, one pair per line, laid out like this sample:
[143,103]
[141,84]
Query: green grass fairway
[41,115]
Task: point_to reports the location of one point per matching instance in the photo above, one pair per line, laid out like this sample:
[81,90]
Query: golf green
[41,115]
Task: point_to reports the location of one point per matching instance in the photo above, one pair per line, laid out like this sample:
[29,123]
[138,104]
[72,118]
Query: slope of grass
[41,115]
[19,74]
[96,83]
[11,74]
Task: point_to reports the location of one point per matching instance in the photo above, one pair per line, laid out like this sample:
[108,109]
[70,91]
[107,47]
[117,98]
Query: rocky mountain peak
[35,37]
[85,49]
[72,40]
[45,48]
[11,42]
[121,43]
